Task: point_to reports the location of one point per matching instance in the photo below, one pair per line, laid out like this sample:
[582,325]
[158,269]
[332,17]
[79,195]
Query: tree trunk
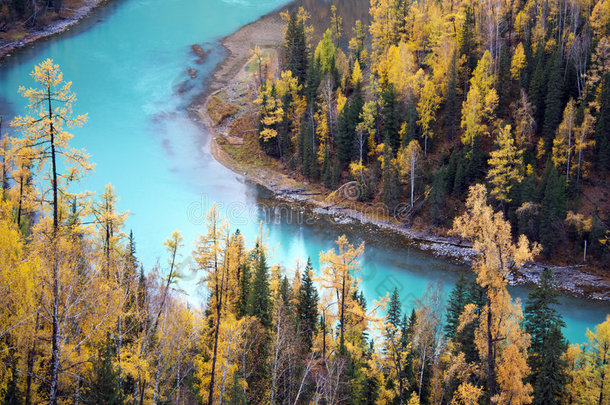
[30,363]
[341,340]
[491,366]
[423,366]
[54,165]
[412,178]
[217,328]
[54,365]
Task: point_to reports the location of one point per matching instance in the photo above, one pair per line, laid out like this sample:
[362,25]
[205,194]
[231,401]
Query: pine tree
[394,310]
[552,210]
[554,101]
[295,47]
[438,196]
[391,120]
[458,298]
[244,290]
[466,338]
[102,384]
[547,345]
[467,45]
[307,307]
[391,183]
[602,127]
[538,85]
[327,172]
[259,299]
[235,391]
[503,83]
[11,394]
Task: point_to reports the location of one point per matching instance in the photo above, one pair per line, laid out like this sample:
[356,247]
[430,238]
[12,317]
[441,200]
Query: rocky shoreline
[6,47]
[571,280]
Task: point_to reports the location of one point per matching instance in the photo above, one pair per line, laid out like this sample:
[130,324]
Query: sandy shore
[267,33]
[6,47]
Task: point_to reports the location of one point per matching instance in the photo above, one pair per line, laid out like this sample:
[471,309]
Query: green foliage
[346,128]
[538,85]
[103,382]
[458,298]
[394,309]
[543,323]
[326,53]
[244,290]
[467,44]
[553,209]
[259,299]
[391,181]
[438,196]
[504,83]
[295,48]
[391,120]
[235,392]
[307,308]
[602,129]
[554,101]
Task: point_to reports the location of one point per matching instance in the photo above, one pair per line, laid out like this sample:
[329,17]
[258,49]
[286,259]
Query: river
[128,62]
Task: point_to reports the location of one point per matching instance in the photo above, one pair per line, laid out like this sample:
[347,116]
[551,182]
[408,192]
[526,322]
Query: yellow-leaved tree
[67,294]
[44,130]
[505,165]
[338,275]
[429,102]
[562,144]
[18,279]
[481,101]
[501,343]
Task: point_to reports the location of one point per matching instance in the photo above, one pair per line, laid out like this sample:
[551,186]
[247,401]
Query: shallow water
[128,63]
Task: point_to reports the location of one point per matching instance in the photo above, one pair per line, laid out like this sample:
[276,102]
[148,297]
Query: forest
[436,96]
[81,321]
[18,16]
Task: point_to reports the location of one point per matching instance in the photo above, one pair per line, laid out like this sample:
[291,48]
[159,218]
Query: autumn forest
[489,120]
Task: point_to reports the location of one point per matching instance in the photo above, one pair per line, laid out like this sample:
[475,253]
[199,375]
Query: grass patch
[219,110]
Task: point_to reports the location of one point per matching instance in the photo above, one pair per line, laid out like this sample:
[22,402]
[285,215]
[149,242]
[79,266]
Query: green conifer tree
[458,298]
[394,310]
[307,307]
[259,297]
[543,323]
[295,48]
[102,384]
[390,192]
[602,127]
[391,119]
[552,210]
[554,101]
[244,290]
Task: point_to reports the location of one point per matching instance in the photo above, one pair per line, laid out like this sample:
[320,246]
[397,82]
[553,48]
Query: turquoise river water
[128,63]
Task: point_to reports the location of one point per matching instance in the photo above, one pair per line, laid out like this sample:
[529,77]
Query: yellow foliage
[563,142]
[499,321]
[356,73]
[518,62]
[429,102]
[505,165]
